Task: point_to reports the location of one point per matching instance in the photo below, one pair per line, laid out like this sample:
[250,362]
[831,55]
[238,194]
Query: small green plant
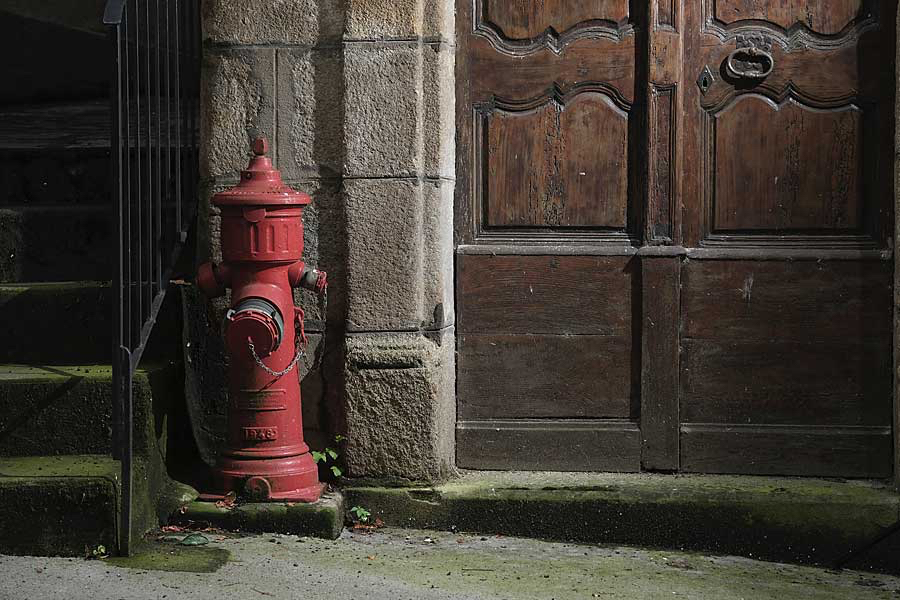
[97,552]
[362,515]
[329,455]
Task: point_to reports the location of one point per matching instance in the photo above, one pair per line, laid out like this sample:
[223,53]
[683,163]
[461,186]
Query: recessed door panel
[787,167]
[561,163]
[526,19]
[826,17]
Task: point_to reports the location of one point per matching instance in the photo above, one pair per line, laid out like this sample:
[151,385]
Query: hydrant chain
[299,353]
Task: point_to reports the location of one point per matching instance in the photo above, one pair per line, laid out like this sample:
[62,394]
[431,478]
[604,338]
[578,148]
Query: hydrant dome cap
[261,184]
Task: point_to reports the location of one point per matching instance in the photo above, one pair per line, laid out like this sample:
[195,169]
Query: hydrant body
[265,457]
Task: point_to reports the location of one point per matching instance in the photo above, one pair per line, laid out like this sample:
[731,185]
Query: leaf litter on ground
[228,501]
[368,527]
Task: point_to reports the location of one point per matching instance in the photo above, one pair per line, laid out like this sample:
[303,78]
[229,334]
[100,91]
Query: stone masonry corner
[357,98]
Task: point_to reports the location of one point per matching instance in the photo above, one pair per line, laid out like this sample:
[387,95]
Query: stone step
[58,506]
[54,176]
[67,410]
[86,15]
[56,243]
[61,322]
[55,126]
[322,519]
[70,322]
[69,505]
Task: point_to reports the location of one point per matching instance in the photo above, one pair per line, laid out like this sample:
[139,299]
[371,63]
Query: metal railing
[155,116]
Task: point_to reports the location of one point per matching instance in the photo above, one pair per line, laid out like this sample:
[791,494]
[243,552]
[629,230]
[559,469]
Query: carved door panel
[548,203]
[787,203]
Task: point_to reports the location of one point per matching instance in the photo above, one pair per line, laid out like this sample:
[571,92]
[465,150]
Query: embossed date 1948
[260,434]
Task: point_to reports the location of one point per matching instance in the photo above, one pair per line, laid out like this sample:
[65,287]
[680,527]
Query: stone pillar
[356,97]
[398,193]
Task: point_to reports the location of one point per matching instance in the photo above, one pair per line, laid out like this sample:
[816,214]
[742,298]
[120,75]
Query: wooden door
[788,195]
[672,224]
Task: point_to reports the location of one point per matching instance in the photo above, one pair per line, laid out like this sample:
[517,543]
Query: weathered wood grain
[659,362]
[803,451]
[526,19]
[777,382]
[662,149]
[787,167]
[549,445]
[744,300]
[544,376]
[545,294]
[822,16]
[559,165]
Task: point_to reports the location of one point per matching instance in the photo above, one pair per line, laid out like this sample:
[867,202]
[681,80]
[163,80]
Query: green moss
[33,467]
[513,568]
[323,519]
[168,556]
[57,505]
[776,518]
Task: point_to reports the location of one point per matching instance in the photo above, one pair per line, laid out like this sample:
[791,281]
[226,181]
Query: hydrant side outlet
[265,456]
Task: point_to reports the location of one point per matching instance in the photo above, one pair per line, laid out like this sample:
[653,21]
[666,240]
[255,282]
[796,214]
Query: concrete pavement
[395,564]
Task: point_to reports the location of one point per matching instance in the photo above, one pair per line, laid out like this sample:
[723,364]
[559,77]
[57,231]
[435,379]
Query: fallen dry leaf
[227,501]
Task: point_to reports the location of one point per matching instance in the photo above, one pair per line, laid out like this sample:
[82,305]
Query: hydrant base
[290,478]
[309,495]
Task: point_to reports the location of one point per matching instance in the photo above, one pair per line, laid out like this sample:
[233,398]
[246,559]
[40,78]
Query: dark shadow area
[47,62]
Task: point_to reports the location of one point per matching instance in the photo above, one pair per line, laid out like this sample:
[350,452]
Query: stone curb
[788,519]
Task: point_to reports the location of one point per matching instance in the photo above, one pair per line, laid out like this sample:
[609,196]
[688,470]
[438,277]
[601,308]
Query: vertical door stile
[661,259]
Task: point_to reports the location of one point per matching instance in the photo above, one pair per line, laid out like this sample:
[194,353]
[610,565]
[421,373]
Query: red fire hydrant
[265,457]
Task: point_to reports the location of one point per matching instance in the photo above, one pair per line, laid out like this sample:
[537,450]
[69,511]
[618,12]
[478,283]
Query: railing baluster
[124,152]
[147,196]
[168,94]
[135,281]
[157,209]
[195,95]
[178,117]
[117,193]
[132,215]
[185,97]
